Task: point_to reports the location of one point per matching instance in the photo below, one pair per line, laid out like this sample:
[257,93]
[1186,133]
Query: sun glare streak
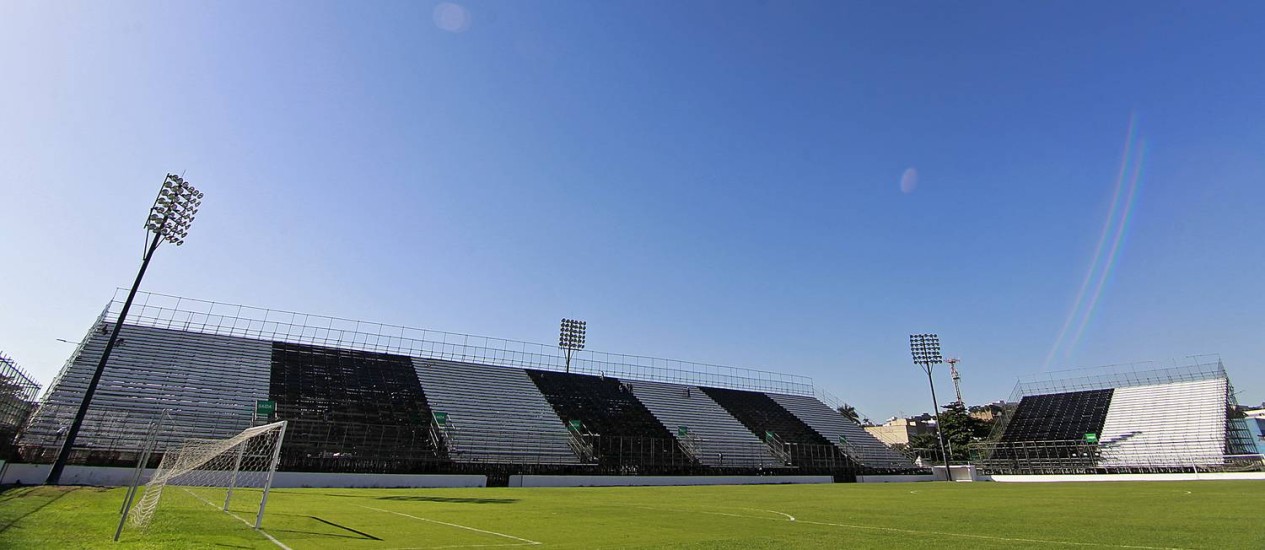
[1100,266]
[1122,229]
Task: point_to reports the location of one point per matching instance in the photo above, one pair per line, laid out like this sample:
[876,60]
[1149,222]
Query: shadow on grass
[356,534]
[359,535]
[451,500]
[10,492]
[345,528]
[26,494]
[423,498]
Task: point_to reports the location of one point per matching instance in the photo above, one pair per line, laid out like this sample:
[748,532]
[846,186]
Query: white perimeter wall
[385,481]
[1123,477]
[907,478]
[643,481]
[34,474]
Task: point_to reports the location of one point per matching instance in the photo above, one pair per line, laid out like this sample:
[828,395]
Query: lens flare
[451,17]
[909,180]
[1115,227]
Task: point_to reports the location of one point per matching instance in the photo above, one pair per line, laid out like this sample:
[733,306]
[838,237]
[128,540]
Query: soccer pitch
[1208,514]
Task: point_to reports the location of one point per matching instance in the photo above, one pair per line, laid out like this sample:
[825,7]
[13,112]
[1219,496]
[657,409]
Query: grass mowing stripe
[726,514]
[524,543]
[789,517]
[987,537]
[239,518]
[34,510]
[995,516]
[503,544]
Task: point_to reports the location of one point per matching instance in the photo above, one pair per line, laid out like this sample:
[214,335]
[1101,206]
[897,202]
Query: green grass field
[1208,514]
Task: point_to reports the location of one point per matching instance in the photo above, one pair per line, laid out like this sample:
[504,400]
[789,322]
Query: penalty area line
[239,518]
[524,542]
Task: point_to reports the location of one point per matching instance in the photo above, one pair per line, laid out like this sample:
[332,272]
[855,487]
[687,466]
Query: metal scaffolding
[1182,416]
[201,316]
[18,391]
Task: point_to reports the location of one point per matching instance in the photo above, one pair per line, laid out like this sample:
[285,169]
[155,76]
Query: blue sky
[709,181]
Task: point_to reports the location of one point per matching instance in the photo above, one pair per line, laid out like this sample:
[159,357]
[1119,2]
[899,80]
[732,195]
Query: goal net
[236,471]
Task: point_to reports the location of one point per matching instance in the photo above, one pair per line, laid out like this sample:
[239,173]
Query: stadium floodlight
[926,351]
[169,220]
[571,338]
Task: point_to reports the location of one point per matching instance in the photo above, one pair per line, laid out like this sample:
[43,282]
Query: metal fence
[1081,457]
[1124,375]
[18,392]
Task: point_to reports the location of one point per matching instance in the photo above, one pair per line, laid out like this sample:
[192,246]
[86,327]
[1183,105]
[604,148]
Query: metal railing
[1143,373]
[1123,456]
[690,444]
[187,314]
[581,441]
[778,447]
[18,391]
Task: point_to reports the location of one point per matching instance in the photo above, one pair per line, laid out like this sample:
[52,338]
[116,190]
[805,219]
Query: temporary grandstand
[373,398]
[1136,418]
[17,400]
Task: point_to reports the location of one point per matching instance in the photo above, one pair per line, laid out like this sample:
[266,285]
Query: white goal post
[246,460]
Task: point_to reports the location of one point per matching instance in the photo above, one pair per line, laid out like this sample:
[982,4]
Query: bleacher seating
[498,414]
[722,441]
[209,382]
[1175,424]
[860,445]
[350,410]
[1058,416]
[628,434]
[762,415]
[353,410]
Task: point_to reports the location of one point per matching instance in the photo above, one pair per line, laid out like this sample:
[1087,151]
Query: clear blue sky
[709,181]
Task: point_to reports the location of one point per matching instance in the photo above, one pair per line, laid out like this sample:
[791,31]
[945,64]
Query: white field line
[788,516]
[523,541]
[248,524]
[916,531]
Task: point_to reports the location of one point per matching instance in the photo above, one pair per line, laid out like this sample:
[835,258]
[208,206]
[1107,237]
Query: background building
[898,431]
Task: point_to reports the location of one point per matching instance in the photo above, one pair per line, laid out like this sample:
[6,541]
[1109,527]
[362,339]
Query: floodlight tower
[169,221]
[571,338]
[957,379]
[926,351]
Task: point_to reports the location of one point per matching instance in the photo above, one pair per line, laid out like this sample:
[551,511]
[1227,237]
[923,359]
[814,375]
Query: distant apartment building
[989,412]
[897,431]
[1256,424]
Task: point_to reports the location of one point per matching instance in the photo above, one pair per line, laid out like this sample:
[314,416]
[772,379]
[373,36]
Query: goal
[211,470]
